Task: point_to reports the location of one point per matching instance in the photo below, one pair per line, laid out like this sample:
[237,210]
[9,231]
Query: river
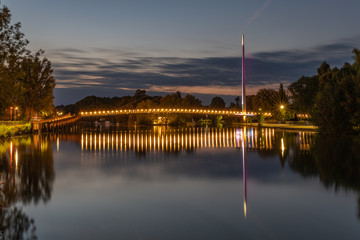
[180,183]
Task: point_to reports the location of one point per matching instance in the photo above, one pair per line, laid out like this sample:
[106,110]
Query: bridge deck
[168,110]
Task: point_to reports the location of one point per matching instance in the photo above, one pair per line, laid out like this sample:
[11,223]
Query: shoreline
[264,125]
[282,126]
[12,129]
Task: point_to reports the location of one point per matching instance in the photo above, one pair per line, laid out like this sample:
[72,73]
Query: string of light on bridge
[170,110]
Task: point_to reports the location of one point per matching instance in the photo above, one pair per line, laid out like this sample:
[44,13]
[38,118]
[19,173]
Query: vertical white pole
[243,94]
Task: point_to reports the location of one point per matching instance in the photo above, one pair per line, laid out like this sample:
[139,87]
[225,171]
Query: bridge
[68,122]
[167,111]
[63,123]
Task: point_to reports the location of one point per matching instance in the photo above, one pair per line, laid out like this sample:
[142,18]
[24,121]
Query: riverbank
[283,126]
[9,129]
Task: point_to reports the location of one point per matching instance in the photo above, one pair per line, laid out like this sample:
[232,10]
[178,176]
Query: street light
[282,113]
[16,108]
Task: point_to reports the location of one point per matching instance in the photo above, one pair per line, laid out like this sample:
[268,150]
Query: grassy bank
[9,129]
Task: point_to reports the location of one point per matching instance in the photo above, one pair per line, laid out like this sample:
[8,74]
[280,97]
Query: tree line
[331,97]
[26,78]
[140,100]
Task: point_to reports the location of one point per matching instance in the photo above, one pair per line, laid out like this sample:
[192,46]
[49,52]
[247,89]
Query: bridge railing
[168,110]
[56,119]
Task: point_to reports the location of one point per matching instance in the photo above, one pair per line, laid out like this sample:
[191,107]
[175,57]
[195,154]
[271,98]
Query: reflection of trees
[338,162]
[16,225]
[334,160]
[36,173]
[27,176]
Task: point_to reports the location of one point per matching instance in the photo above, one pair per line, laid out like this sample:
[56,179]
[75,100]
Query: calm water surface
[191,183]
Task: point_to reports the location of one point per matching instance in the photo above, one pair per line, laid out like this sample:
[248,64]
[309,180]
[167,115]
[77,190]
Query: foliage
[268,100]
[11,130]
[217,103]
[12,49]
[303,93]
[171,101]
[145,119]
[139,101]
[190,101]
[26,80]
[260,117]
[337,104]
[38,83]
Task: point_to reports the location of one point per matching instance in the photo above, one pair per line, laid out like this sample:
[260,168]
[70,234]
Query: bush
[8,131]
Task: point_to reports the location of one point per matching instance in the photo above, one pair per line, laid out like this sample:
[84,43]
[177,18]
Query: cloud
[85,76]
[93,71]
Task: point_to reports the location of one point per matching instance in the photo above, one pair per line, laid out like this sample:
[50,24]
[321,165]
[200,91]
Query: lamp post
[16,108]
[282,112]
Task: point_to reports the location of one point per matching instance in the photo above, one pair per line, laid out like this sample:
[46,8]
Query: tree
[12,49]
[337,104]
[146,118]
[303,93]
[283,98]
[217,103]
[140,93]
[266,99]
[38,83]
[171,101]
[190,101]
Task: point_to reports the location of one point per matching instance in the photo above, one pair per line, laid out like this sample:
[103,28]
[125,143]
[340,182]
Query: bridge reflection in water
[160,139]
[173,140]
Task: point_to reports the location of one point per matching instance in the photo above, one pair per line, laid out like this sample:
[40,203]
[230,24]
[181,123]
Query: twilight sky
[113,47]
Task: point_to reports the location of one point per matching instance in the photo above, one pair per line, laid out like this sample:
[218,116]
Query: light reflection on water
[174,140]
[238,183]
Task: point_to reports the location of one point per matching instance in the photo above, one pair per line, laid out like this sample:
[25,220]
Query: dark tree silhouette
[217,103]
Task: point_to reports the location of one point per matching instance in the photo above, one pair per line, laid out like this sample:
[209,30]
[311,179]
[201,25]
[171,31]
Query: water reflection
[174,140]
[206,155]
[191,139]
[27,176]
[335,161]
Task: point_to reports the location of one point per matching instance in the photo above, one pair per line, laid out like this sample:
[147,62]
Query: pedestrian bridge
[168,111]
[68,121]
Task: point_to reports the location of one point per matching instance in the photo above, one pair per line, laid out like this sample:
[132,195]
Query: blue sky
[112,48]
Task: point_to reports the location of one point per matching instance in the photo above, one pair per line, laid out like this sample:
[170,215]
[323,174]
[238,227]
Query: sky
[113,47]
